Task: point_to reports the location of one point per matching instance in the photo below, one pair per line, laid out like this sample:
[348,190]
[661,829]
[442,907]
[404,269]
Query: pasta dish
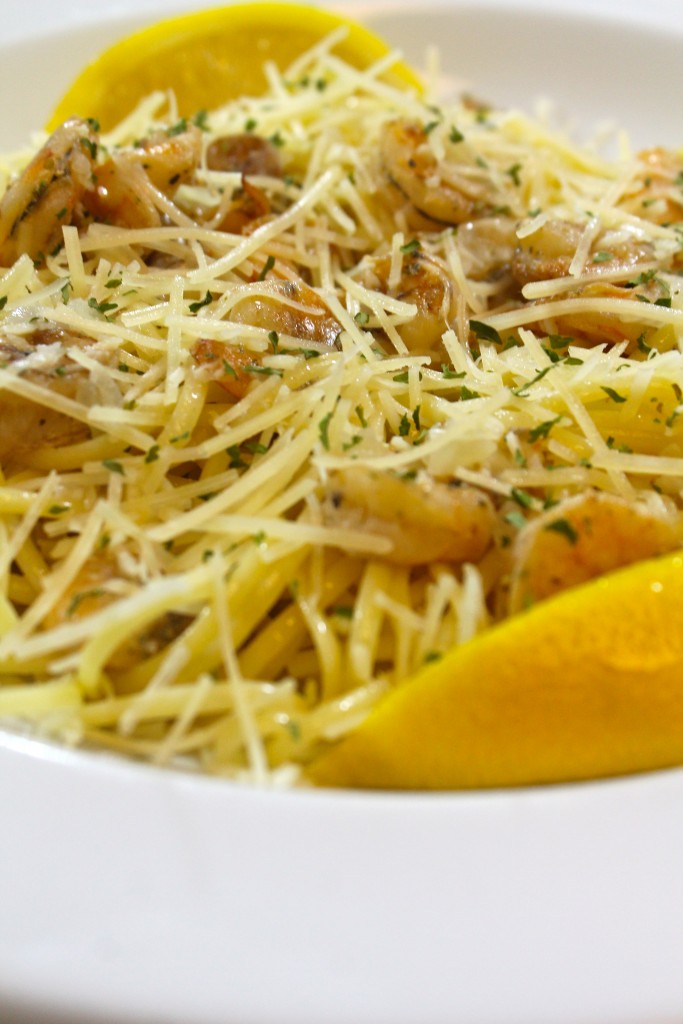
[300,393]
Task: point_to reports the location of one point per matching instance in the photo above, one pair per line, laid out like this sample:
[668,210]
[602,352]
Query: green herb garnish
[564,527]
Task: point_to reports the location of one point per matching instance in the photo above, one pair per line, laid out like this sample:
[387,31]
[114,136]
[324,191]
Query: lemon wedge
[211,56]
[587,684]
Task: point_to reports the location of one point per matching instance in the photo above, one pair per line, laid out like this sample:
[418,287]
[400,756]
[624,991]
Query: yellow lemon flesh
[212,56]
[587,684]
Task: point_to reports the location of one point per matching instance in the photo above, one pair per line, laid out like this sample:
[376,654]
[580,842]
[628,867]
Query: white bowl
[130,895]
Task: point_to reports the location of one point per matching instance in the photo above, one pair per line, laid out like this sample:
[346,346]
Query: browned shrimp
[609,328]
[243,211]
[249,155]
[95,588]
[426,520]
[226,364]
[582,538]
[47,194]
[68,182]
[119,196]
[167,159]
[119,190]
[436,193]
[25,425]
[548,252]
[289,308]
[422,282]
[487,247]
[656,192]
[245,153]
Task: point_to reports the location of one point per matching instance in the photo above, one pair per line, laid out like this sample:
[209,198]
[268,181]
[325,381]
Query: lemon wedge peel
[588,684]
[209,57]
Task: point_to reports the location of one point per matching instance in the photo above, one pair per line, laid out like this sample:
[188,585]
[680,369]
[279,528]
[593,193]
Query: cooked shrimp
[422,282]
[426,520]
[47,194]
[289,308]
[247,153]
[119,191]
[487,247]
[25,425]
[584,537]
[98,584]
[65,183]
[242,211]
[168,159]
[226,364]
[119,196]
[656,192]
[549,251]
[609,328]
[437,193]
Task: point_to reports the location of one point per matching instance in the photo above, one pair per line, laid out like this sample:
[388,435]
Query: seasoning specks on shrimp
[300,393]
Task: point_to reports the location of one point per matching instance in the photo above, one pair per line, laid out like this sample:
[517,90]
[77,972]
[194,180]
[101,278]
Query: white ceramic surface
[134,896]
